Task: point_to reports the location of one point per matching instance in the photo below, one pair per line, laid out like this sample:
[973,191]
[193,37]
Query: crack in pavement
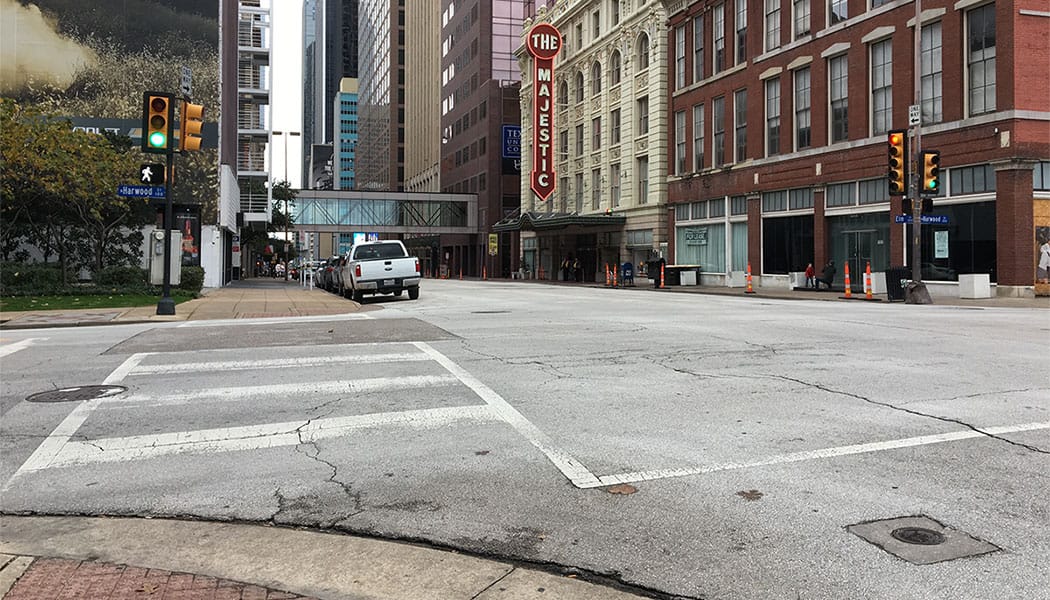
[911,412]
[355,497]
[489,586]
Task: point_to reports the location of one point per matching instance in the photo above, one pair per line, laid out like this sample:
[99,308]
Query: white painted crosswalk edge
[16,346]
[276,363]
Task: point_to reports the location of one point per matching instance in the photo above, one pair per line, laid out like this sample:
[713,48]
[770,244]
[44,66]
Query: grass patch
[19,303]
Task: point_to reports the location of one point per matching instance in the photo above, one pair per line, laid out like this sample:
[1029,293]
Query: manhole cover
[76,394]
[918,535]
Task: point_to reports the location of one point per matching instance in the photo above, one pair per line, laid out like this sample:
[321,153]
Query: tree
[58,190]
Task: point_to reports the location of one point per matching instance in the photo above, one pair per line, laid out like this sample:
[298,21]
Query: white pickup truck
[382,267]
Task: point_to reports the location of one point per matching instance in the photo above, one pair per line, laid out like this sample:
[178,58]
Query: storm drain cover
[75,394]
[921,540]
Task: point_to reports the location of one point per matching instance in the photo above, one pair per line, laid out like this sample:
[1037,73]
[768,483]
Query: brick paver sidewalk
[57,578]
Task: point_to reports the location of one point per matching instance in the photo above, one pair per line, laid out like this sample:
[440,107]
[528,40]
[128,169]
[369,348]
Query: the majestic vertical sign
[543,43]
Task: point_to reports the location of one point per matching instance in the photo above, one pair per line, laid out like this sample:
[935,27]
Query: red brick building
[778,121]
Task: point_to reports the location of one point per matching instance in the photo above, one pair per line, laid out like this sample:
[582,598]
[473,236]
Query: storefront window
[787,244]
[739,242]
[858,239]
[965,245]
[703,245]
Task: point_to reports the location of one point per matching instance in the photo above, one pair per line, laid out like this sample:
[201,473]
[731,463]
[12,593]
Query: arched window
[596,78]
[579,86]
[643,51]
[563,94]
[617,67]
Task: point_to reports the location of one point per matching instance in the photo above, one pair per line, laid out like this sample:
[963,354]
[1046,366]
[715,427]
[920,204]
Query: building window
[972,180]
[802,124]
[838,11]
[643,115]
[738,205]
[579,193]
[931,74]
[596,25]
[579,140]
[1041,176]
[841,194]
[718,37]
[681,212]
[679,56]
[579,87]
[718,130]
[579,36]
[774,201]
[871,191]
[563,95]
[800,199]
[740,124]
[698,137]
[772,24]
[981,59]
[698,210]
[614,184]
[773,116]
[564,195]
[643,52]
[563,144]
[615,66]
[679,142]
[881,87]
[642,169]
[596,189]
[875,3]
[596,133]
[698,48]
[741,31]
[838,98]
[596,78]
[615,11]
[614,127]
[800,17]
[716,208]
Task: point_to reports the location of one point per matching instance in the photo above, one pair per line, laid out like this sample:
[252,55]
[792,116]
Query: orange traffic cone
[484,273]
[749,290]
[849,290]
[614,277]
[867,282]
[662,276]
[461,272]
[607,279]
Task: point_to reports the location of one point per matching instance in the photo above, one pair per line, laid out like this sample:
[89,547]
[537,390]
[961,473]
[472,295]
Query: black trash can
[654,271]
[673,276]
[894,283]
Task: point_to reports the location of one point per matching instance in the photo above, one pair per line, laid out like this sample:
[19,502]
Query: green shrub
[18,279]
[191,279]
[121,277]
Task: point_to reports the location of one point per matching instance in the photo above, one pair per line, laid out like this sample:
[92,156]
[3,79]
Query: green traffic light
[157,139]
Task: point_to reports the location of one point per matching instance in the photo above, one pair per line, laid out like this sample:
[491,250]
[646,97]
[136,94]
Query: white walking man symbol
[147,174]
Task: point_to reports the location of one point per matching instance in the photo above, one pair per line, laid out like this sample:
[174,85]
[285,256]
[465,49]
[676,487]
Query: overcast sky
[286,108]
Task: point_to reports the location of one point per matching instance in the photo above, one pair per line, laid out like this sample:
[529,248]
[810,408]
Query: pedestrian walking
[811,279]
[566,265]
[577,272]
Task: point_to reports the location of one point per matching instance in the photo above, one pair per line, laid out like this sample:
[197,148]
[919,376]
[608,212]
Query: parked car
[323,276]
[383,267]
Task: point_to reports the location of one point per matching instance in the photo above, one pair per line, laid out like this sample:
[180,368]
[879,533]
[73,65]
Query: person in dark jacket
[828,275]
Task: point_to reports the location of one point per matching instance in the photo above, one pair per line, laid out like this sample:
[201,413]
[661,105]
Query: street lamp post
[287,214]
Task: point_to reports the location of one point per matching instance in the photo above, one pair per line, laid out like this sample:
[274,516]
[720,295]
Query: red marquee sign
[543,43]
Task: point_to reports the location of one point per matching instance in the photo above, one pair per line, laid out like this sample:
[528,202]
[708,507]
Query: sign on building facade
[543,44]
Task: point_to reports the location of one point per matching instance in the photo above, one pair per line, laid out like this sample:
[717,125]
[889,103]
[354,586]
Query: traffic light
[157,113]
[931,172]
[927,206]
[191,119]
[906,206]
[898,161]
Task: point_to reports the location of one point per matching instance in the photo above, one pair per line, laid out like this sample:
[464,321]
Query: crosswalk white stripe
[357,386]
[276,363]
[274,320]
[255,437]
[16,346]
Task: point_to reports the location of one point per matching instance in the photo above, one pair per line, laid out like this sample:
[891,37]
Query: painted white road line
[357,386]
[53,444]
[277,363]
[578,474]
[9,349]
[256,437]
[274,320]
[808,455]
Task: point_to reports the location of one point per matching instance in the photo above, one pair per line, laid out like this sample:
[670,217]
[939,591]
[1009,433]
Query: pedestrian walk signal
[157,113]
[191,120]
[898,160]
[931,172]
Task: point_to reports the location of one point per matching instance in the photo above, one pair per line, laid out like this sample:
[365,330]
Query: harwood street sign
[543,43]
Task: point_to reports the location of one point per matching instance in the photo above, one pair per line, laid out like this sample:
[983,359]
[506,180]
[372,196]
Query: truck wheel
[359,297]
[413,293]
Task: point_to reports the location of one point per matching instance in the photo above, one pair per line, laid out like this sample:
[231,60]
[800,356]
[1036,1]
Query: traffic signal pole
[917,292]
[166,306]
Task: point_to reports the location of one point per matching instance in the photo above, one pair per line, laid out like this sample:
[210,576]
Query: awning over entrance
[539,221]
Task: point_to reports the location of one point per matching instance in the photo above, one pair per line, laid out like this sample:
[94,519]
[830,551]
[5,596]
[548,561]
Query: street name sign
[926,219]
[141,191]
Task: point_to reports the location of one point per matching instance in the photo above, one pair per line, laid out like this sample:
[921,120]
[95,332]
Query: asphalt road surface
[699,446]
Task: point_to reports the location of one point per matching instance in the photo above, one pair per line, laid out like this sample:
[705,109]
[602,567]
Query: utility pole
[917,292]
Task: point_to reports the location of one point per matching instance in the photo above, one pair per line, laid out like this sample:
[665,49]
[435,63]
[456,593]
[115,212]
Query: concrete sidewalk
[111,558]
